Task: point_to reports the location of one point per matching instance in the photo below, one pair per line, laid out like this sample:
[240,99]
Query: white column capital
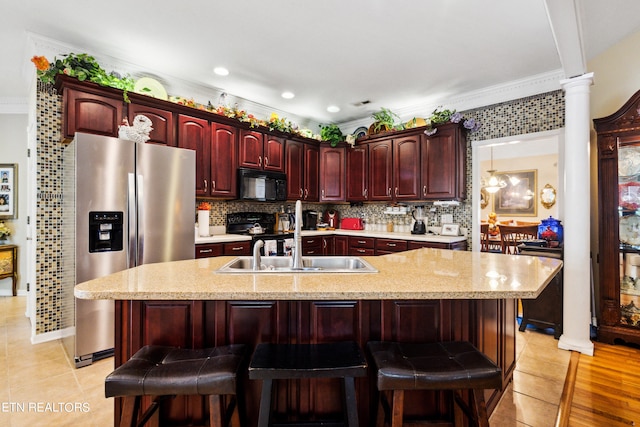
[578,81]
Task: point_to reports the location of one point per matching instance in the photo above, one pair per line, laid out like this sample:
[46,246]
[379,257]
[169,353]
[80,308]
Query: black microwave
[262,186]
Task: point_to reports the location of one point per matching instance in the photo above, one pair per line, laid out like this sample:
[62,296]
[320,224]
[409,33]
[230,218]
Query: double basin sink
[319,264]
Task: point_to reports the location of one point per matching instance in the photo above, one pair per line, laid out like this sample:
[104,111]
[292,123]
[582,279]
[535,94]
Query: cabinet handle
[393,245]
[213,186]
[424,190]
[324,244]
[266,162]
[310,242]
[237,248]
[366,191]
[323,194]
[260,161]
[362,242]
[396,191]
[361,250]
[389,191]
[301,193]
[306,193]
[205,186]
[205,251]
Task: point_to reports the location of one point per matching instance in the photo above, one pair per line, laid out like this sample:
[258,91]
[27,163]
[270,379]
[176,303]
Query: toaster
[352,224]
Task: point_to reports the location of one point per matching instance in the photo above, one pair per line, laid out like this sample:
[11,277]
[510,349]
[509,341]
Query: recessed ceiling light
[221,71]
[333,108]
[287,95]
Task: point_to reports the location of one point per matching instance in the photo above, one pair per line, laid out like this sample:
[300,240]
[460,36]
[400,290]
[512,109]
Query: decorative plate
[630,230]
[629,195]
[150,87]
[360,132]
[629,161]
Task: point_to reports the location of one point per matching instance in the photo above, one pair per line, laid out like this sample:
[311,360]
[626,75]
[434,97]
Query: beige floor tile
[527,410]
[538,387]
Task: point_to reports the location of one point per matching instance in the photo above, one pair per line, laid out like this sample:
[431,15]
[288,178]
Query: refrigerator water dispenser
[105,231]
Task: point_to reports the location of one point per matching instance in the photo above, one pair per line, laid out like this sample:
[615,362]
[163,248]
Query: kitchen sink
[320,264]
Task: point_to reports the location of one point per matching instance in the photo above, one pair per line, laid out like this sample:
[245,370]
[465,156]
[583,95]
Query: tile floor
[40,387]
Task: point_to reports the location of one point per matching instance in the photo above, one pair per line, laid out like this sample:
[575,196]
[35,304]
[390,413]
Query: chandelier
[494,182]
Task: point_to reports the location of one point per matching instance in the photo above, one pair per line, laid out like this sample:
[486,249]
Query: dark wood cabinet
[394,168]
[207,250]
[388,246]
[302,168]
[443,164]
[488,324]
[312,245]
[381,171]
[223,157]
[260,151]
[357,173]
[332,174]
[93,113]
[341,245]
[163,132]
[618,137]
[456,246]
[362,246]
[195,134]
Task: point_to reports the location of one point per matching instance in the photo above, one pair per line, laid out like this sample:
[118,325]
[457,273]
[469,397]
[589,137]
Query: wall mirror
[548,196]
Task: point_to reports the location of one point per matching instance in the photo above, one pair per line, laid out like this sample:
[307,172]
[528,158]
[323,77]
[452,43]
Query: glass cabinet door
[629,234]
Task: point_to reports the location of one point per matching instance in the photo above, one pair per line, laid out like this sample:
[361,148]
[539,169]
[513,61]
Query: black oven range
[260,226]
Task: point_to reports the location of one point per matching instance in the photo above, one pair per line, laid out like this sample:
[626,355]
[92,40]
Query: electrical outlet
[446,219]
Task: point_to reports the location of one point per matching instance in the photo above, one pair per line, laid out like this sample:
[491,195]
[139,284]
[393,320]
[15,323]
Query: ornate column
[577,263]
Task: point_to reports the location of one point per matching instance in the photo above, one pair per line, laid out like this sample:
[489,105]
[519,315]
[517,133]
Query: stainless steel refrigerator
[124,204]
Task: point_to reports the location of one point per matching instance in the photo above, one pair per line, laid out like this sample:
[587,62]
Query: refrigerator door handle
[131,220]
[140,209]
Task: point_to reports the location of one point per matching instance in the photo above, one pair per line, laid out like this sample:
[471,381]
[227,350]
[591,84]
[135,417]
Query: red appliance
[352,224]
[332,218]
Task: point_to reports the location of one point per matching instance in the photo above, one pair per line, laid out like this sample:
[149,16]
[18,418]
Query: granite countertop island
[417,274]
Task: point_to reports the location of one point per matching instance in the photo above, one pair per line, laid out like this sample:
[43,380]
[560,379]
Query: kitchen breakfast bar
[425,295]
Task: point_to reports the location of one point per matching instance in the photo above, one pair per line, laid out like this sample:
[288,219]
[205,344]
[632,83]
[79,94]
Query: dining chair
[486,243]
[513,235]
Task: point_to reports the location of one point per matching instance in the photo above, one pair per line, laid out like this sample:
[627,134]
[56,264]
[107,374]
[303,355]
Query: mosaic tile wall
[50,303]
[532,114]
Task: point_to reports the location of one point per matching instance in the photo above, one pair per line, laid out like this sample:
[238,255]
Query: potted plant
[331,133]
[384,120]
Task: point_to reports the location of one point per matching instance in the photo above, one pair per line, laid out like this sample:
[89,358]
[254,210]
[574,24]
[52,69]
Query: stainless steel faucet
[297,238]
[256,263]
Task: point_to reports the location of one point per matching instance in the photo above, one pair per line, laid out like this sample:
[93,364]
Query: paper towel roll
[203,223]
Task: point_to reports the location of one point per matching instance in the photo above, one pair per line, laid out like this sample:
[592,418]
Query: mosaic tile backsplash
[532,114]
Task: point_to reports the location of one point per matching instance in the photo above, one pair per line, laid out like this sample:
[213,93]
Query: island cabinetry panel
[456,246]
[94,113]
[332,174]
[443,164]
[163,132]
[195,134]
[358,173]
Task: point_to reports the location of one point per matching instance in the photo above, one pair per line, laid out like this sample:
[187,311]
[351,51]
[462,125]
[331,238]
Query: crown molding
[14,105]
[516,89]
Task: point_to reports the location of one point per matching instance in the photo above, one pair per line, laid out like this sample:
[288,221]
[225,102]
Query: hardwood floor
[603,390]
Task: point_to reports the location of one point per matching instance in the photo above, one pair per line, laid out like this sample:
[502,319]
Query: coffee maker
[419,216]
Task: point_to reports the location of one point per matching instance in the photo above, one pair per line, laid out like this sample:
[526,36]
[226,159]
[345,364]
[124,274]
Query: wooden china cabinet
[619,224]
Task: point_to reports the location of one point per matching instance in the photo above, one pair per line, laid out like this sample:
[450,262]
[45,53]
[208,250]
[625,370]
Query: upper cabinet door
[294,161]
[224,157]
[163,125]
[443,165]
[273,153]
[311,173]
[332,174]
[381,171]
[194,134]
[357,173]
[250,151]
[90,113]
[406,167]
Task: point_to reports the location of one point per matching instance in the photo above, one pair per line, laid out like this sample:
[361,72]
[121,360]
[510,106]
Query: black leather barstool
[291,361]
[455,365]
[162,371]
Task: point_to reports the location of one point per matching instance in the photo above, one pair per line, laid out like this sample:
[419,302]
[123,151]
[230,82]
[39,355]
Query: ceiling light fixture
[288,95]
[333,108]
[221,71]
[494,182]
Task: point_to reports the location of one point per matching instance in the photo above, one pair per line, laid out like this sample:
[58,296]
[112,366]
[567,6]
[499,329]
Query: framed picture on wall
[518,198]
[8,191]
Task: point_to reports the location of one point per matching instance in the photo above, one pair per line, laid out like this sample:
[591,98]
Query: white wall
[13,149]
